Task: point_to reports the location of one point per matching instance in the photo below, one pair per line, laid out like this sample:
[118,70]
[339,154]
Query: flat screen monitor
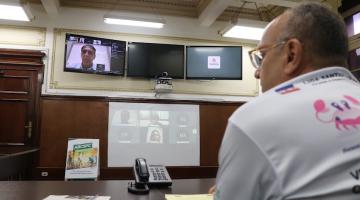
[214,62]
[151,60]
[94,55]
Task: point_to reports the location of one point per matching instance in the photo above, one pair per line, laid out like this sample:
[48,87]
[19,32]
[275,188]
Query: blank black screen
[205,62]
[150,60]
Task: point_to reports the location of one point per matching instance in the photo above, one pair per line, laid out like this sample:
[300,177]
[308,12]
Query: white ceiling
[206,11]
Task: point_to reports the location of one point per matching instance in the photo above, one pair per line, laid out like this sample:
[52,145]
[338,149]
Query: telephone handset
[141,170]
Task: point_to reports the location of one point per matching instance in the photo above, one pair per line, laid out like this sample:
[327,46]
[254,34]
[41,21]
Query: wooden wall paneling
[183,172]
[63,119]
[126,173]
[87,117]
[213,121]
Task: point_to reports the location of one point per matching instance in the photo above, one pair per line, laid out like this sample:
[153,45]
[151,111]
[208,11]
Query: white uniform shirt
[79,66]
[299,140]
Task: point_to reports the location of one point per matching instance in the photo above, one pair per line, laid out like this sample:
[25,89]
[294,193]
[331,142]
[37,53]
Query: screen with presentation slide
[353,24]
[214,62]
[93,55]
[166,134]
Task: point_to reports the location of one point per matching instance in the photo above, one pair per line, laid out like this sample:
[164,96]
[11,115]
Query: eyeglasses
[257,56]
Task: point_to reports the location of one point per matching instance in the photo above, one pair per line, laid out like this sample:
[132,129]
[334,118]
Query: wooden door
[20,81]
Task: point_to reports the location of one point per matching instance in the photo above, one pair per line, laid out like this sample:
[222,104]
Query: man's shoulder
[74,65]
[276,105]
[255,105]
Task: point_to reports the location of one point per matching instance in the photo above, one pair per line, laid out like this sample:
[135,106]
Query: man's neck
[89,66]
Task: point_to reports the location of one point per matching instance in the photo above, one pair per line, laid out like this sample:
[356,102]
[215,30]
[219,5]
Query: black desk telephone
[141,171]
[148,176]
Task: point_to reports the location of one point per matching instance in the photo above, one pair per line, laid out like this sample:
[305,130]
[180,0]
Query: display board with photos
[94,55]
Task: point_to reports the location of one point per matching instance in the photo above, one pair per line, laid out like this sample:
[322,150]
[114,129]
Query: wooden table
[37,190]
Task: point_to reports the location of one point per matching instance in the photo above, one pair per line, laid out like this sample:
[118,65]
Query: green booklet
[82,159]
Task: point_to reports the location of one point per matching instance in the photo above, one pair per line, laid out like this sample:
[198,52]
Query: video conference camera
[163,83]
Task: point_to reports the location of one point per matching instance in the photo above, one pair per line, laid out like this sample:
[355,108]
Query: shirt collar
[317,75]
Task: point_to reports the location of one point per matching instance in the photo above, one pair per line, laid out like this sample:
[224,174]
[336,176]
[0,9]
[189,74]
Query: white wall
[177,30]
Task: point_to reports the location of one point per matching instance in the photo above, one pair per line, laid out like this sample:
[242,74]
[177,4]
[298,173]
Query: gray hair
[90,46]
[321,31]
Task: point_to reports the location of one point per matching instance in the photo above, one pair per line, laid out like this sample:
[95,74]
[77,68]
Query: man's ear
[294,53]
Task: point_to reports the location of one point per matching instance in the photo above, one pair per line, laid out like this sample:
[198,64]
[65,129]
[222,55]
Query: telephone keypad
[159,176]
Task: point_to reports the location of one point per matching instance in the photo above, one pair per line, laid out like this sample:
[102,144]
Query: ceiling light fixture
[244,29]
[12,10]
[245,32]
[126,21]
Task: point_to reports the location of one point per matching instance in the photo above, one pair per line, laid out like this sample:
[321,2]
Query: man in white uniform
[301,138]
[88,54]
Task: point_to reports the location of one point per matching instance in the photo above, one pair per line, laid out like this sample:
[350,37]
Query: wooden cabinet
[354,62]
[21,76]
